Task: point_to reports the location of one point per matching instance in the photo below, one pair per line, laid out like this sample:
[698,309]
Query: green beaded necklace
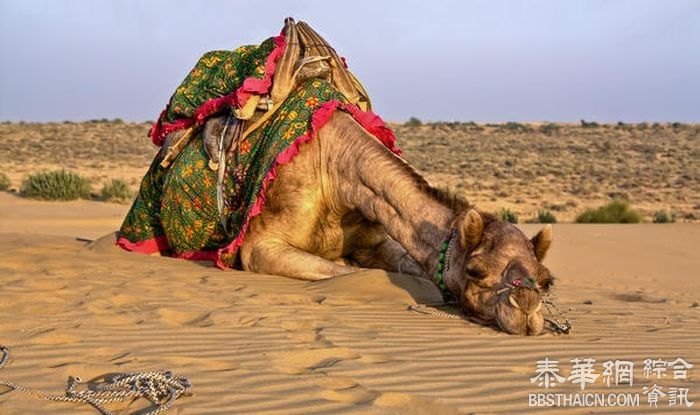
[443,266]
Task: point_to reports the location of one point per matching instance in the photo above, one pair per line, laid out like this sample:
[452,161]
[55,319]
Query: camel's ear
[471,230]
[542,241]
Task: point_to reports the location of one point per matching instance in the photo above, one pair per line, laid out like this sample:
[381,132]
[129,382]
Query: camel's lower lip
[504,327]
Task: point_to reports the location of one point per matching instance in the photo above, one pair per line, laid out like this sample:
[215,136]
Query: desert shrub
[545,216]
[515,127]
[116,190]
[472,126]
[56,185]
[508,215]
[413,122]
[617,211]
[550,129]
[587,124]
[4,182]
[624,126]
[662,216]
[118,121]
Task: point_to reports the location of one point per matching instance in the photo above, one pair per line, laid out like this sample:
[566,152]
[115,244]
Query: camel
[346,203]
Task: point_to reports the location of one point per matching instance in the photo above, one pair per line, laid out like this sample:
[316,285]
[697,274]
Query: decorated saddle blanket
[220,78]
[175,212]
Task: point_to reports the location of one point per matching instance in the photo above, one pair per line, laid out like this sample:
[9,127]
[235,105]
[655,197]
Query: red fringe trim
[149,246]
[251,86]
[367,119]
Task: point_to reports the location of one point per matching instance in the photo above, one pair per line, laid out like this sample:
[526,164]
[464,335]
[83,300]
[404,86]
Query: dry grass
[525,168]
[5,182]
[100,151]
[56,185]
[563,168]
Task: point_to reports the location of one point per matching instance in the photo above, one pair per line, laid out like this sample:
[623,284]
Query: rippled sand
[260,344]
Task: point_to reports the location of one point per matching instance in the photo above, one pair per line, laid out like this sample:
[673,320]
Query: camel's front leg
[387,255]
[278,258]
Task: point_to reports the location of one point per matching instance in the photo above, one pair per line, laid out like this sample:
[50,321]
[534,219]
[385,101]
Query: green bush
[591,124]
[116,190]
[413,122]
[56,185]
[508,215]
[4,182]
[662,216]
[617,211]
[549,129]
[545,216]
[516,127]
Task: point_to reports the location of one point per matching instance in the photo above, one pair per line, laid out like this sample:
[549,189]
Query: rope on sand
[161,388]
[422,309]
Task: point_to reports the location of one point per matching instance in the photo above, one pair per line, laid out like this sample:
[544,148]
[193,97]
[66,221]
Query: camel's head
[503,275]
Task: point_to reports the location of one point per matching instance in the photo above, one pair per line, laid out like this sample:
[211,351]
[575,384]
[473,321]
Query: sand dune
[268,345]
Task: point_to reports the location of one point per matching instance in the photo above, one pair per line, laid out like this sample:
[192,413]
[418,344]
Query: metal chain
[564,326]
[161,388]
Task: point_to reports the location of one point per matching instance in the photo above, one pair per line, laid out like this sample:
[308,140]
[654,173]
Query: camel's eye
[475,273]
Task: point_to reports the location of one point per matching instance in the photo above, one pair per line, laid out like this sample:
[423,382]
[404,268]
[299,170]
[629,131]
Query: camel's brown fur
[346,202]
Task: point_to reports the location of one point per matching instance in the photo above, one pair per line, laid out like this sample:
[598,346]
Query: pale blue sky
[438,60]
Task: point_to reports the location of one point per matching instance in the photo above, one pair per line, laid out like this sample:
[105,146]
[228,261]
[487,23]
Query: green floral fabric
[217,74]
[179,202]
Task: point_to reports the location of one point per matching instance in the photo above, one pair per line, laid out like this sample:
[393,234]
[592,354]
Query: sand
[261,344]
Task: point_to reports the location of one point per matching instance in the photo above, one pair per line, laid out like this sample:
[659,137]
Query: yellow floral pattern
[180,201]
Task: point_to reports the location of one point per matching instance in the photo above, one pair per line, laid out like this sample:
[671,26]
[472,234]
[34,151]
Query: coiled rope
[162,388]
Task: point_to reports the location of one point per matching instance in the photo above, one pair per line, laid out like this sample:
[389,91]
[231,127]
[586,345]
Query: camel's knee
[256,256]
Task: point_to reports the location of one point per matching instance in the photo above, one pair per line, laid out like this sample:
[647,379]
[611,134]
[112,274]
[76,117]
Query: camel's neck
[387,191]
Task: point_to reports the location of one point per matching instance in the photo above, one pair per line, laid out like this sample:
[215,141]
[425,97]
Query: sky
[469,60]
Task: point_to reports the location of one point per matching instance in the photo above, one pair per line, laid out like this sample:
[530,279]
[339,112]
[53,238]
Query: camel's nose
[529,302]
[526,300]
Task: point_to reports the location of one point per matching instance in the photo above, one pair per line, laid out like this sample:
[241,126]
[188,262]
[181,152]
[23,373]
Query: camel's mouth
[517,313]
